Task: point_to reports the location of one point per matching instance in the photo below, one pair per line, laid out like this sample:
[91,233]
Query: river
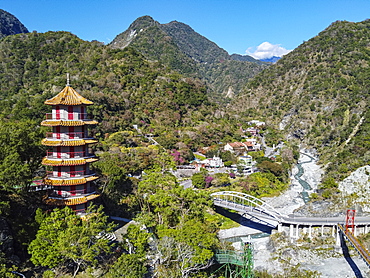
[305,185]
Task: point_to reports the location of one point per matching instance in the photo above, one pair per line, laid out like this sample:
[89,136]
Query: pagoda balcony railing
[70,174]
[66,194]
[66,135]
[64,155]
[67,116]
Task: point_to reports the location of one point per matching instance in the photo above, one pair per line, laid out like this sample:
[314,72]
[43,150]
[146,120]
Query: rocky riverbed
[279,252]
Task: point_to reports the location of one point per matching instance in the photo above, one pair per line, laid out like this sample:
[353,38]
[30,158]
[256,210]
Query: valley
[173,121]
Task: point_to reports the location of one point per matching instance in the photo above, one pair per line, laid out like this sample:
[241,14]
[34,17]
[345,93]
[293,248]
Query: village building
[69,175]
[245,164]
[250,145]
[215,162]
[236,147]
[251,130]
[245,160]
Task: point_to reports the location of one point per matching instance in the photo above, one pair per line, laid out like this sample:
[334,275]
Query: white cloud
[267,50]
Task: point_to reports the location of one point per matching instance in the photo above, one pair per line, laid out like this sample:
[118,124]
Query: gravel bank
[324,260]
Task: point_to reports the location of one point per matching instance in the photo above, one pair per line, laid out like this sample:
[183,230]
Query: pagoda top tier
[68,96]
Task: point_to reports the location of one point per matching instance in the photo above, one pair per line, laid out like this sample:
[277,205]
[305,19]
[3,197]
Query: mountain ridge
[190,53]
[10,25]
[317,94]
[272,59]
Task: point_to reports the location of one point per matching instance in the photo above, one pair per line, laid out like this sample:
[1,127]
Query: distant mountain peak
[245,58]
[178,46]
[10,25]
[143,23]
[272,59]
[140,24]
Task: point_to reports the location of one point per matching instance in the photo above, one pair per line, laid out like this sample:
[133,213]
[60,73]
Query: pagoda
[69,175]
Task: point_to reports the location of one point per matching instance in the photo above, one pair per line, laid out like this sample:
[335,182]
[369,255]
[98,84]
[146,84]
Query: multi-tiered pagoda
[69,175]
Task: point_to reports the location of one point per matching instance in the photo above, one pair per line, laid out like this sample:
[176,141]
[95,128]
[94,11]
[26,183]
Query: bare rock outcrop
[356,187]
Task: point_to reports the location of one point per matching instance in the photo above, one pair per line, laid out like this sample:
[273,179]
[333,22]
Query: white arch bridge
[261,212]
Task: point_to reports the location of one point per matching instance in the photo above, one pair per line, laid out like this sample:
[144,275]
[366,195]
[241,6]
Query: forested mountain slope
[126,88]
[177,45]
[317,95]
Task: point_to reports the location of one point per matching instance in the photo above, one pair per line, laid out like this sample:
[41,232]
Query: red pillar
[350,219]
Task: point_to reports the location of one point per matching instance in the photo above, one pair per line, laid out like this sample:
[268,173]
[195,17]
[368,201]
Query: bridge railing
[356,244]
[230,257]
[244,201]
[246,209]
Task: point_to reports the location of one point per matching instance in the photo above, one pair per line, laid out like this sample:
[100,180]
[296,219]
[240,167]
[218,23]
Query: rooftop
[68,96]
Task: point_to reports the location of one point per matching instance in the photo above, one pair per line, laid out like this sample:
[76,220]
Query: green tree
[128,266]
[262,184]
[136,240]
[65,238]
[112,174]
[328,183]
[20,152]
[271,167]
[227,156]
[198,180]
[221,179]
[6,272]
[185,250]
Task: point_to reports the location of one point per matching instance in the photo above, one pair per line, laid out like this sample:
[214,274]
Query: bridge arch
[244,202]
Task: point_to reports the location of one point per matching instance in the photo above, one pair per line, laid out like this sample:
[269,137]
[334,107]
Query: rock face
[357,185]
[10,25]
[6,238]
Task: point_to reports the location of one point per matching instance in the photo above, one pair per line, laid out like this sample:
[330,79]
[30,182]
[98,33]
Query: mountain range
[180,47]
[316,96]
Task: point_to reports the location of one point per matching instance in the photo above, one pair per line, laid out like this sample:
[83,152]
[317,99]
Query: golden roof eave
[67,143]
[68,96]
[67,162]
[71,201]
[68,182]
[68,122]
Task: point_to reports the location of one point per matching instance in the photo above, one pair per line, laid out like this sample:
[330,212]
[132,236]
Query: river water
[305,178]
[305,185]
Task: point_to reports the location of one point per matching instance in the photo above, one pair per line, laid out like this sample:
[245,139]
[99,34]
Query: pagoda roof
[68,122]
[67,143]
[67,162]
[69,181]
[68,96]
[70,201]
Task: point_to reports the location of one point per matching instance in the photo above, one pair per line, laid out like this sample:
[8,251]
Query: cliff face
[10,25]
[357,185]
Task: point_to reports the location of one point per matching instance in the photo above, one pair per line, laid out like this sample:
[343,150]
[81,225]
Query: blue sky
[235,25]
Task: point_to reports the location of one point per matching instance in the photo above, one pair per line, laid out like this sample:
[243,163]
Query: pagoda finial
[67,79]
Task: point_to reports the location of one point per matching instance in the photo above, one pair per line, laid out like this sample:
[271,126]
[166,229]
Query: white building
[215,162]
[245,160]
